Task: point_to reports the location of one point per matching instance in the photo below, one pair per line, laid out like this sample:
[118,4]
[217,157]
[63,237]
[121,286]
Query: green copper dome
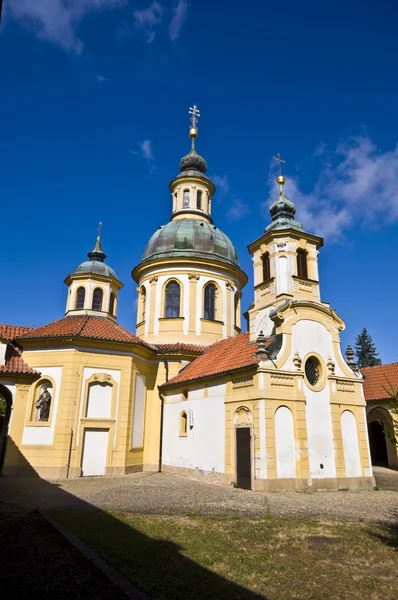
[191,238]
[96,263]
[282,211]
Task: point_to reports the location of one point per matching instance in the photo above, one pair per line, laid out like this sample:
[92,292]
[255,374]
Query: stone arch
[5,415]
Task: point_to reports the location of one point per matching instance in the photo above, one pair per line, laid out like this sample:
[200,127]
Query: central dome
[193,238]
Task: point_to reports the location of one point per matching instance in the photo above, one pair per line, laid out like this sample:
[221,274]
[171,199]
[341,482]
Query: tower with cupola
[285,264]
[93,287]
[189,279]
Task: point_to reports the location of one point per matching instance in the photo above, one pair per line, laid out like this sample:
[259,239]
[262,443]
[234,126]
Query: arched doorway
[5,414]
[378,445]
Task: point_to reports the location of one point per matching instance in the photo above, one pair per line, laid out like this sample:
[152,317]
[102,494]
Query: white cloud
[222,183]
[148,18]
[101,79]
[57,20]
[145,151]
[179,15]
[237,210]
[357,185]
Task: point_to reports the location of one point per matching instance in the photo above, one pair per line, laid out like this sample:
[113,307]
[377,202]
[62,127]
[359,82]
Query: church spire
[193,161]
[282,211]
[97,253]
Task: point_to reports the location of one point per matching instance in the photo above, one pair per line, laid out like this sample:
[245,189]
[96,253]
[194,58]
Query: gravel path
[162,493]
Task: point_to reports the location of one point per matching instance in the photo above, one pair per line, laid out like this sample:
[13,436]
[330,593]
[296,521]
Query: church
[273,405]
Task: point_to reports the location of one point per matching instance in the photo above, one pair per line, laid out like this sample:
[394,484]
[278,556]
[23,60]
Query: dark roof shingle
[15,364]
[10,332]
[377,379]
[100,328]
[224,356]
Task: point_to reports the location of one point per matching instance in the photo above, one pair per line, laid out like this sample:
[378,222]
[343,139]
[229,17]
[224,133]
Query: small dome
[96,263]
[193,162]
[190,238]
[282,213]
[97,267]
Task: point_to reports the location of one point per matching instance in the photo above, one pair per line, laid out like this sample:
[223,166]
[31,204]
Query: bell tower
[94,287]
[285,263]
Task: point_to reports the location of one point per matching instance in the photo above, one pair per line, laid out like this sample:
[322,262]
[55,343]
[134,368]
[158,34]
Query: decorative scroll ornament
[331,365]
[297,361]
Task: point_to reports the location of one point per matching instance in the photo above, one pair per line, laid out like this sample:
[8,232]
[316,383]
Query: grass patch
[226,558]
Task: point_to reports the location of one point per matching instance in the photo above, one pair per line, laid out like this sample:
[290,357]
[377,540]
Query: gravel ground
[162,493]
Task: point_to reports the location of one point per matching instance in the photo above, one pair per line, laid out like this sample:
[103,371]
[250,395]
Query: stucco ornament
[297,361]
[331,365]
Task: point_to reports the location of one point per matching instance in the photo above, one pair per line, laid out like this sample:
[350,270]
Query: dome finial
[193,161]
[280,179]
[193,132]
[97,253]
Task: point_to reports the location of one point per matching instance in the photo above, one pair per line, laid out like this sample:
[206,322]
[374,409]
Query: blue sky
[94,120]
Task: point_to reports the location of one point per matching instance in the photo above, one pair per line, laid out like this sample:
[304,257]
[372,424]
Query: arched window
[186,199]
[112,300]
[199,200]
[183,423]
[266,267]
[210,302]
[143,303]
[172,304]
[80,297]
[302,270]
[97,299]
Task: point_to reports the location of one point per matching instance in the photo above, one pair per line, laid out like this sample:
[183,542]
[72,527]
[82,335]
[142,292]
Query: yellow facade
[299,402]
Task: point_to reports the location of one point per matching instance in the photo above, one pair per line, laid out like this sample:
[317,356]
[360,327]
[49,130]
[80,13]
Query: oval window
[313,370]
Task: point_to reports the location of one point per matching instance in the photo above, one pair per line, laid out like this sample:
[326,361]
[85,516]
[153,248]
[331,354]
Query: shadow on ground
[38,562]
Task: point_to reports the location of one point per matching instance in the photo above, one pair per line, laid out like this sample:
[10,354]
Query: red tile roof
[180,346]
[10,332]
[99,328]
[376,379]
[226,355]
[15,364]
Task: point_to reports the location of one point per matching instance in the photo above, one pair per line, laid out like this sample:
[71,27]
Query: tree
[366,350]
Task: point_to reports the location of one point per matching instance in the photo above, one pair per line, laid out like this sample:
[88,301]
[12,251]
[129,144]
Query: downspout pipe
[166,368]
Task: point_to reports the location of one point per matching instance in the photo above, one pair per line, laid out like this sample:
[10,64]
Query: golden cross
[99,228]
[194,111]
[279,161]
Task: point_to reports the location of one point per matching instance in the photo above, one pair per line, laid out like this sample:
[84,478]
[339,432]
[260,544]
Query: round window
[313,370]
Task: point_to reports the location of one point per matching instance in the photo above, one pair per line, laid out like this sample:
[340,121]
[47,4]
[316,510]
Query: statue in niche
[43,404]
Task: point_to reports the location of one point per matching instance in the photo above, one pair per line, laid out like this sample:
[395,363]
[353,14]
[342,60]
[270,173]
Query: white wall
[204,446]
[99,401]
[43,435]
[350,444]
[3,348]
[320,433]
[285,444]
[137,440]
[309,337]
[87,373]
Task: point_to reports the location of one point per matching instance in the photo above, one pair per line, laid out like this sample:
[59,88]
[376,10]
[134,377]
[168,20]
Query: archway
[378,445]
[383,451]
[5,414]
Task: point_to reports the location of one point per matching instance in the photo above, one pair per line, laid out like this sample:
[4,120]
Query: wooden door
[243,458]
